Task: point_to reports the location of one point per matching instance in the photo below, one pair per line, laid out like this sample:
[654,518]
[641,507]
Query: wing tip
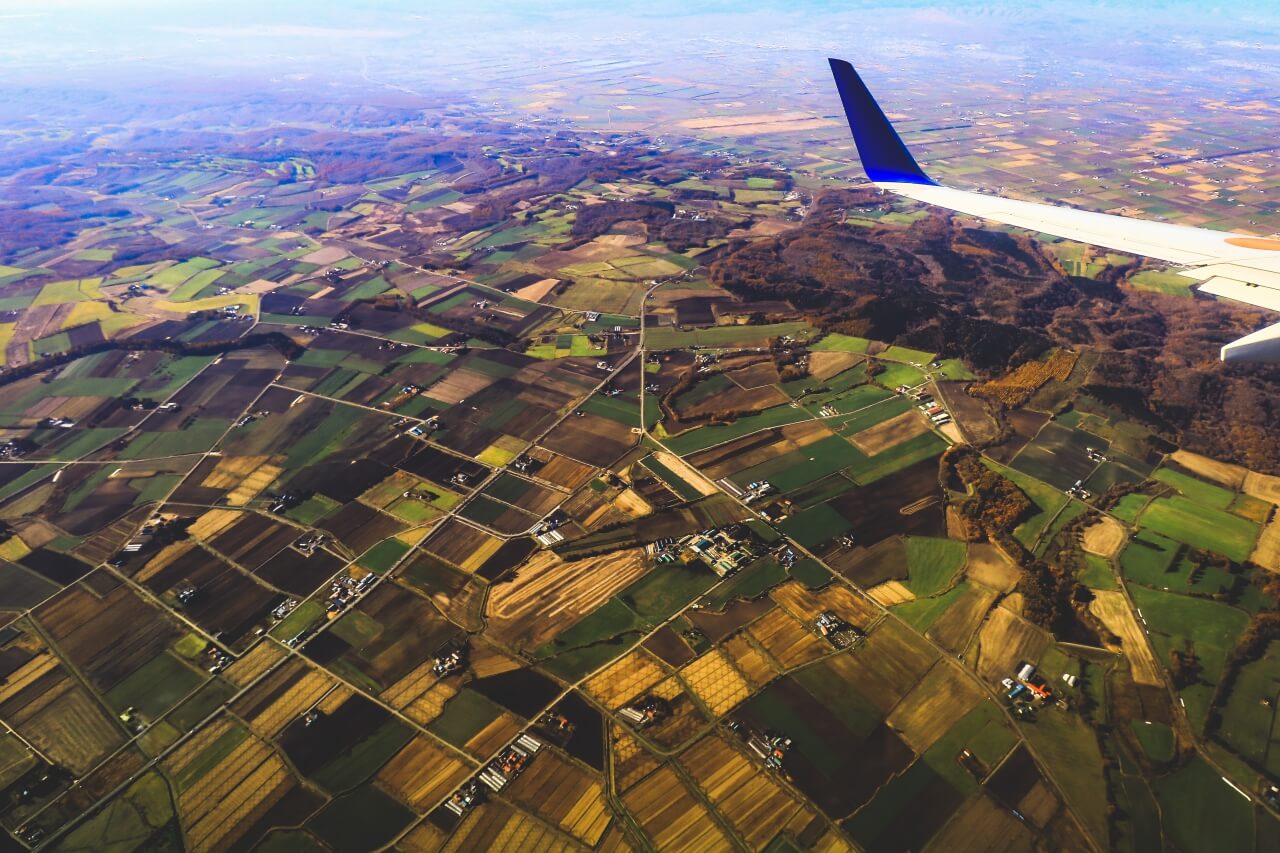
[884,156]
[1263,346]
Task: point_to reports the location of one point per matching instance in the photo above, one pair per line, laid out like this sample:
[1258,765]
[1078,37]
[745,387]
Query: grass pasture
[1178,622]
[836,342]
[709,436]
[1200,526]
[1248,726]
[1198,490]
[1201,812]
[932,563]
[666,338]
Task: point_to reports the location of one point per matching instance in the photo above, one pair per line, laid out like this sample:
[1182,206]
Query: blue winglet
[884,157]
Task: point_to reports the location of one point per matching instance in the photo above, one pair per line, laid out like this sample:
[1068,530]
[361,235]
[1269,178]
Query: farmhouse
[724,550]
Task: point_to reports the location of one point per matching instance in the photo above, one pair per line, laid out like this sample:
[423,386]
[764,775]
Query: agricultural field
[335,471]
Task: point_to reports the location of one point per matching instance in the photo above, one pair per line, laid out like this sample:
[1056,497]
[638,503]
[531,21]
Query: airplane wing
[1233,266]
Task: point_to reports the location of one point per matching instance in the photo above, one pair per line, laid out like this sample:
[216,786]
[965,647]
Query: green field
[303,617]
[801,467]
[365,819]
[932,563]
[612,619]
[624,408]
[1097,573]
[17,484]
[810,572]
[1129,507]
[703,390]
[62,292]
[954,368]
[1162,282]
[666,589]
[665,338]
[155,687]
[813,526]
[1196,489]
[1187,521]
[1069,513]
[1201,812]
[1249,726]
[384,555]
[134,820]
[1068,750]
[363,759]
[751,582]
[1154,561]
[325,438]
[836,342]
[209,757]
[823,390]
[983,730]
[1156,739]
[709,436]
[196,438]
[465,715]
[923,612]
[895,374]
[866,405]
[910,356]
[870,469]
[592,642]
[1209,628]
[862,407]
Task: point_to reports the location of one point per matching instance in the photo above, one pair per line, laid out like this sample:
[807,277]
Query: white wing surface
[1239,267]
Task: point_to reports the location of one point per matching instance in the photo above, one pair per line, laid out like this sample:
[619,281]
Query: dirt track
[548,594]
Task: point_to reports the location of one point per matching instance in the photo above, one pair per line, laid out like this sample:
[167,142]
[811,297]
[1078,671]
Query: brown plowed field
[562,470]
[671,816]
[748,797]
[423,773]
[716,682]
[1004,640]
[804,604]
[498,826]
[786,640]
[1104,538]
[565,796]
[752,662]
[955,627]
[1231,476]
[890,433]
[1112,608]
[625,679]
[890,593]
[1263,486]
[249,776]
[988,567]
[925,714]
[982,826]
[886,666]
[1267,552]
[631,761]
[253,663]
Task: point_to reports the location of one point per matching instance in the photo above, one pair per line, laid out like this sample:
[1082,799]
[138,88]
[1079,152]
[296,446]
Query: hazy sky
[94,41]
